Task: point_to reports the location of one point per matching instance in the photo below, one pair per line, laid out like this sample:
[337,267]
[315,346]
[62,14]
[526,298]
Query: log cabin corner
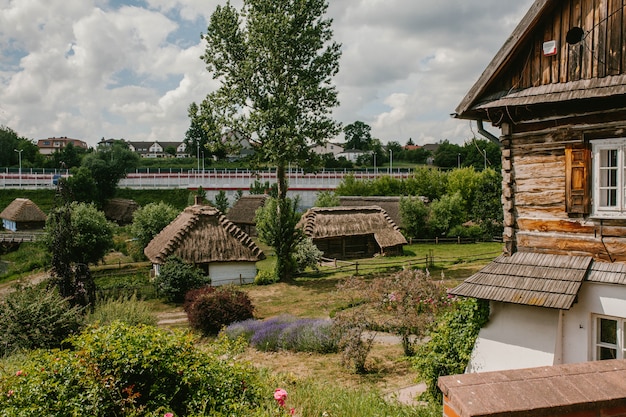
[556,91]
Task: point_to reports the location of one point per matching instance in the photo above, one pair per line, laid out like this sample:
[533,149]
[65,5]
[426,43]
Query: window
[609,173]
[609,338]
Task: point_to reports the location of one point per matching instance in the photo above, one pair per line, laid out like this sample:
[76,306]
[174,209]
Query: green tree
[481,153]
[358,136]
[487,210]
[149,220]
[177,277]
[428,182]
[77,234]
[221,201]
[446,213]
[448,155]
[67,157]
[414,215]
[326,199]
[280,232]
[464,181]
[275,60]
[11,144]
[108,165]
[82,185]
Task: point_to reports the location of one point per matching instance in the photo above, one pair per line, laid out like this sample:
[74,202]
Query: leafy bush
[265,278]
[286,332]
[211,308]
[150,219]
[178,277]
[36,317]
[307,255]
[128,310]
[451,343]
[132,371]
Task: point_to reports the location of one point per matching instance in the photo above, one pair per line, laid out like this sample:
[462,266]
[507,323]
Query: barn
[203,236]
[352,232]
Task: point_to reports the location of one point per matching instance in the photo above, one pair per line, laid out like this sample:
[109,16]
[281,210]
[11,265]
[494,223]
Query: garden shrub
[449,349]
[177,278]
[211,308]
[119,370]
[265,278]
[307,255]
[36,317]
[129,310]
[286,332]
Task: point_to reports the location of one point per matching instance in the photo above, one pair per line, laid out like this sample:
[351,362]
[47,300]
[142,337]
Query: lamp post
[19,153]
[485,155]
[390,161]
[458,160]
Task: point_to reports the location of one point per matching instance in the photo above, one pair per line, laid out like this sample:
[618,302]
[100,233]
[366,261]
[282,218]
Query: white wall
[223,273]
[516,336]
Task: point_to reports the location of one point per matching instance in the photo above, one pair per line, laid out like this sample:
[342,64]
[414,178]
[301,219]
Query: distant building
[351,155]
[157,149]
[328,148]
[51,145]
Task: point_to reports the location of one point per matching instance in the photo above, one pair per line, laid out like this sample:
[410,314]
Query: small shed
[22,214]
[352,232]
[243,212]
[120,210]
[203,236]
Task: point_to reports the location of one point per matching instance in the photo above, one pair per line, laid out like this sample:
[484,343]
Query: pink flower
[19,373]
[168,415]
[292,411]
[11,392]
[280,395]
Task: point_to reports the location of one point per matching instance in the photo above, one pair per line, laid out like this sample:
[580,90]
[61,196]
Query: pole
[485,155]
[390,161]
[19,153]
[458,160]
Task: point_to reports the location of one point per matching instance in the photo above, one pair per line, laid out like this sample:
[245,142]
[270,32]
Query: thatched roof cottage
[352,232]
[390,204]
[120,210]
[203,236]
[22,214]
[243,212]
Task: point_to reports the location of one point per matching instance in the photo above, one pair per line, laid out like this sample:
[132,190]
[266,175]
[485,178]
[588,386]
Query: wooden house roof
[23,210]
[536,279]
[244,209]
[590,66]
[328,222]
[202,234]
[390,204]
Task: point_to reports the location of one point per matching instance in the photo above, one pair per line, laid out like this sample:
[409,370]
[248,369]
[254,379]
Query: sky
[93,69]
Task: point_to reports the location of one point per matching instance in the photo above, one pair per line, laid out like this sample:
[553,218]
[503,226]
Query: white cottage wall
[223,273]
[593,298]
[516,336]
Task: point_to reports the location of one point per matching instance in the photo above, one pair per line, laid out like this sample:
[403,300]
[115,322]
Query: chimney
[197,200]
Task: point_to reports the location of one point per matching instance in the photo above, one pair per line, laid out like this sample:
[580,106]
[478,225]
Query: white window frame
[600,209]
[597,344]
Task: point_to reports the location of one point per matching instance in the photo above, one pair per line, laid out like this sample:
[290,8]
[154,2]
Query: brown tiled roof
[201,234]
[544,391]
[324,222]
[244,209]
[23,210]
[528,278]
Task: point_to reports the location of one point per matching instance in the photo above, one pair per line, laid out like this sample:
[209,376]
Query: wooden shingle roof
[326,222]
[244,209]
[23,210]
[529,278]
[202,234]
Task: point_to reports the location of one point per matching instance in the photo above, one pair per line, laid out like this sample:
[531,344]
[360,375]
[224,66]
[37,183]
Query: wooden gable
[527,79]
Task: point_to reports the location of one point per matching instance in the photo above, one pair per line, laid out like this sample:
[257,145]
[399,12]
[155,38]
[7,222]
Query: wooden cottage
[352,232]
[390,204]
[120,210]
[557,92]
[22,214]
[203,236]
[243,212]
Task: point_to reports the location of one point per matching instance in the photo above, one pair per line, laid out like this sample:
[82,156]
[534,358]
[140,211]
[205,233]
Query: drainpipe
[486,134]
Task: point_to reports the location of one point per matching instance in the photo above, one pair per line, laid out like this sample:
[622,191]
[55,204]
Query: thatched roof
[23,210]
[327,222]
[244,209]
[390,204]
[202,234]
[120,210]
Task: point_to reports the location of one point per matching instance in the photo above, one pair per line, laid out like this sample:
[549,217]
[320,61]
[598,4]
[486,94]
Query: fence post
[436,240]
[458,240]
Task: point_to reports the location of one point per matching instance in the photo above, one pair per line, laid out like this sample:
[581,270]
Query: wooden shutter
[578,179]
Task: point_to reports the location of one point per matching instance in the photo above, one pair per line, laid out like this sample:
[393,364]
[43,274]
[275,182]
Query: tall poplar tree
[275,60]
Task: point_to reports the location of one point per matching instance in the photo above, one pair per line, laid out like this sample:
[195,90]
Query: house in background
[203,236]
[351,155]
[352,232]
[557,92]
[51,145]
[328,148]
[158,149]
[243,212]
[22,214]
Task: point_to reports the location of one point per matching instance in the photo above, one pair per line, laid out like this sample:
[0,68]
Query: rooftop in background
[50,145]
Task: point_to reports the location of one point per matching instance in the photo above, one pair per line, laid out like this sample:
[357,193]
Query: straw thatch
[23,214]
[120,210]
[348,232]
[243,212]
[390,204]
[202,235]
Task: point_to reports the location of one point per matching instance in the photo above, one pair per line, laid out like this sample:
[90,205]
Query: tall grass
[129,310]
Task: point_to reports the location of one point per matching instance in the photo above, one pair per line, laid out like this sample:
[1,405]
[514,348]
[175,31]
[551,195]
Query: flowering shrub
[211,308]
[120,370]
[286,332]
[280,395]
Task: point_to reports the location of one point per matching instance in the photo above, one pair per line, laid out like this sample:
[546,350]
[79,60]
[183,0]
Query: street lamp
[458,160]
[485,155]
[19,153]
[390,161]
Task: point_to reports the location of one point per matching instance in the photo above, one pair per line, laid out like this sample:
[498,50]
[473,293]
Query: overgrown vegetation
[177,277]
[211,308]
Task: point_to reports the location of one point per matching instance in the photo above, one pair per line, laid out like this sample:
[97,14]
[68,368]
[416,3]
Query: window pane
[608,331]
[606,353]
